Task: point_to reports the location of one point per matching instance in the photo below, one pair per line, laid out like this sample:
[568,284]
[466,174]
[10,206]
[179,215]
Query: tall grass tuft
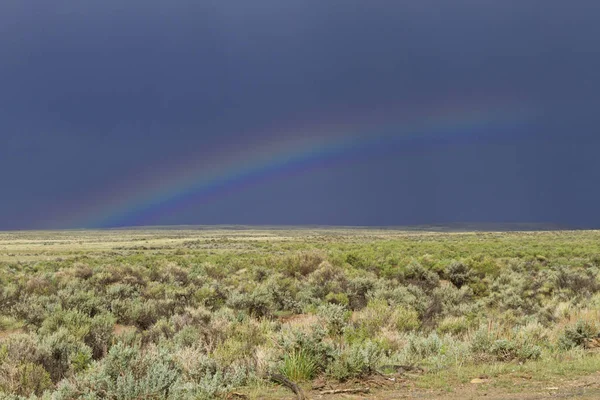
[299,366]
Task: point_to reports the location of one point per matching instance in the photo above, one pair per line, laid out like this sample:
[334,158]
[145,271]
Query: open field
[202,314]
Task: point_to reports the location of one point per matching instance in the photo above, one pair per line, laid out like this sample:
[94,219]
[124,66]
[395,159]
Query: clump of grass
[298,366]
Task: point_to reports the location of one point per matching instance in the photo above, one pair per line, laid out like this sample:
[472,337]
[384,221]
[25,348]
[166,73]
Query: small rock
[318,384]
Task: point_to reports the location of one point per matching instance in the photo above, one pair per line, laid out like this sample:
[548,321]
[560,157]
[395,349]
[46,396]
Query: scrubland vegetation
[203,314]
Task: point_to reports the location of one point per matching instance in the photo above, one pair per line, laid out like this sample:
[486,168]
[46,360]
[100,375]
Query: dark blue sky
[93,93]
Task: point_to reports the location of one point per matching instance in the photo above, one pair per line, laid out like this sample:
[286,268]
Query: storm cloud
[95,95]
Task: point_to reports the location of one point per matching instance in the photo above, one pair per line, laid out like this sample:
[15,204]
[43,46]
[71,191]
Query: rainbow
[197,180]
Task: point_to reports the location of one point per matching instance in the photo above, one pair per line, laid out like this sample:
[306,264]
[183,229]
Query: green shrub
[577,281]
[451,301]
[327,279]
[9,295]
[100,334]
[515,291]
[20,371]
[335,317]
[375,316]
[358,290]
[302,263]
[34,309]
[283,292]
[419,347]
[126,373]
[459,274]
[358,360]
[487,346]
[89,302]
[82,271]
[22,348]
[337,298]
[576,335]
[33,379]
[405,319]
[313,343]
[481,341]
[65,354]
[408,296]
[121,291]
[416,274]
[258,303]
[95,332]
[161,330]
[74,321]
[532,332]
[187,337]
[453,325]
[40,285]
[191,317]
[23,379]
[142,314]
[508,350]
[211,296]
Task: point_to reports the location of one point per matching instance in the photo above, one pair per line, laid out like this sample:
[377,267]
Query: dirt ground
[586,387]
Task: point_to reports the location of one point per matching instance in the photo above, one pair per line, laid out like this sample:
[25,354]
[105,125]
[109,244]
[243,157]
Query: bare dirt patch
[10,332]
[388,388]
[123,329]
